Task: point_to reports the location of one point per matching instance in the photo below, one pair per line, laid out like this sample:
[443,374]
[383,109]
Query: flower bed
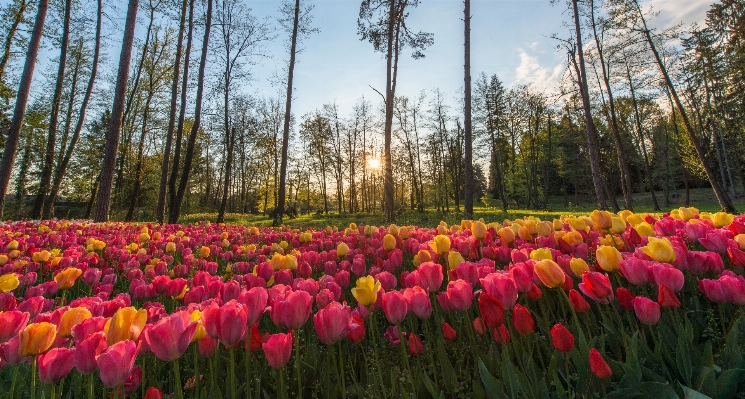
[600,306]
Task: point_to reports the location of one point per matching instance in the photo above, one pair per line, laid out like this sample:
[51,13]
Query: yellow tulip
[196,316]
[524,233]
[740,239]
[204,252]
[687,213]
[550,273]
[644,229]
[144,237]
[541,253]
[722,219]
[13,245]
[3,259]
[578,266]
[403,232]
[442,230]
[478,229]
[578,224]
[558,224]
[366,290]
[454,259]
[389,242]
[98,245]
[8,282]
[441,244]
[422,256]
[393,230]
[608,258]
[126,324]
[660,249]
[353,226]
[342,250]
[41,256]
[66,278]
[277,262]
[618,226]
[507,234]
[544,229]
[290,262]
[36,338]
[171,247]
[72,318]
[624,214]
[602,220]
[573,237]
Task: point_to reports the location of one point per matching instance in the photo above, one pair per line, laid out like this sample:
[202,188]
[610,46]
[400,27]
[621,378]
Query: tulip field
[604,305]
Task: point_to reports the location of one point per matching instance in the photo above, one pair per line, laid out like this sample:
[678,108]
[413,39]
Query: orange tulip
[550,273]
[71,318]
[36,338]
[66,278]
[126,324]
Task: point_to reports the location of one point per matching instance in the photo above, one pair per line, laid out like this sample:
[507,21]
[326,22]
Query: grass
[702,198]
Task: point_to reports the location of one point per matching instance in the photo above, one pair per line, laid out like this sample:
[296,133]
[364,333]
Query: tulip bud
[598,366]
[562,339]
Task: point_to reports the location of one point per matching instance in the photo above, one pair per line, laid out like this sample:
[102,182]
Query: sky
[510,38]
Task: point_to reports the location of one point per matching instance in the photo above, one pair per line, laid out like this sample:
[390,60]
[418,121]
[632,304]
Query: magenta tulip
[278,349]
[333,323]
[170,337]
[395,307]
[116,363]
[55,364]
[292,311]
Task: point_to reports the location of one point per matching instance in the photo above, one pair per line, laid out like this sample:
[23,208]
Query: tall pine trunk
[389,96]
[468,204]
[103,197]
[19,111]
[8,45]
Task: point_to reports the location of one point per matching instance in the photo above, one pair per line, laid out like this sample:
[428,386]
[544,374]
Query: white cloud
[531,72]
[673,12]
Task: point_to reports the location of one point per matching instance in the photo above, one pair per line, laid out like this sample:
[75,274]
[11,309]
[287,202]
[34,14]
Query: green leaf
[508,372]
[658,390]
[693,394]
[683,359]
[448,372]
[728,382]
[430,386]
[493,388]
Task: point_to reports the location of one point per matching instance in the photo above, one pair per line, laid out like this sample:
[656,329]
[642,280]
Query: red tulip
[116,363]
[562,339]
[597,286]
[357,331]
[207,346]
[418,302]
[448,332]
[647,310]
[666,297]
[431,276]
[11,323]
[598,366]
[170,337]
[625,298]
[153,393]
[415,345]
[460,295]
[292,311]
[535,293]
[491,309]
[332,323]
[395,307]
[55,364]
[501,335]
[478,326]
[578,302]
[278,349]
[133,381]
[522,320]
[86,352]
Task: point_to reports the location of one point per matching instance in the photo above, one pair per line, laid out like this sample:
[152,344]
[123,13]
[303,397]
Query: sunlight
[373,163]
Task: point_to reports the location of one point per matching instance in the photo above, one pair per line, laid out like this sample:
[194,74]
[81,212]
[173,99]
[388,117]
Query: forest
[165,128]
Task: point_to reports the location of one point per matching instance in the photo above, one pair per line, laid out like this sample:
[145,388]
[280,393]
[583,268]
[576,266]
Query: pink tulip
[255,301]
[226,323]
[635,270]
[9,351]
[418,302]
[116,363]
[333,323]
[460,295]
[502,287]
[278,349]
[11,323]
[292,311]
[733,287]
[86,352]
[170,337]
[395,307]
[716,241]
[647,310]
[431,276]
[55,364]
[666,275]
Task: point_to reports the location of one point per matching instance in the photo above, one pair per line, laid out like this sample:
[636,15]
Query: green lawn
[701,198]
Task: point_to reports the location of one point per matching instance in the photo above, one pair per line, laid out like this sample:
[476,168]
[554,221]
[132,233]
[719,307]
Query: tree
[19,111]
[387,30]
[468,138]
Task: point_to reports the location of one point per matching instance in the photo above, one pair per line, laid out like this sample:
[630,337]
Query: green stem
[247,358]
[282,387]
[90,386]
[341,372]
[197,377]
[233,393]
[33,378]
[297,364]
[377,356]
[177,377]
[13,383]
[404,355]
[53,391]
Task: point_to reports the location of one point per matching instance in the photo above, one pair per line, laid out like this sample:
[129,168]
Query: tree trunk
[389,96]
[176,208]
[616,133]
[19,111]
[724,201]
[7,46]
[46,170]
[103,197]
[62,166]
[91,201]
[160,209]
[140,152]
[468,204]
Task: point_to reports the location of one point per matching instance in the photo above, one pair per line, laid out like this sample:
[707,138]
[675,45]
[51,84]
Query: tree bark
[184,180]
[7,46]
[160,209]
[103,197]
[592,140]
[19,111]
[62,166]
[46,170]
[724,201]
[389,96]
